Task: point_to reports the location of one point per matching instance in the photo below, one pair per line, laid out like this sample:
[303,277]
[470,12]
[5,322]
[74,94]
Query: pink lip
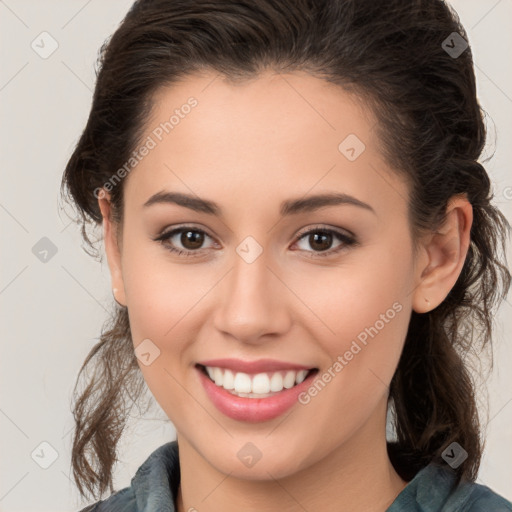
[259,366]
[253,409]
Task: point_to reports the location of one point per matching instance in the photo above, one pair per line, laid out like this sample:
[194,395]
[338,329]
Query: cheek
[164,298]
[368,288]
[362,312]
[160,292]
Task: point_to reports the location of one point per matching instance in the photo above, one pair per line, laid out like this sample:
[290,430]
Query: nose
[252,302]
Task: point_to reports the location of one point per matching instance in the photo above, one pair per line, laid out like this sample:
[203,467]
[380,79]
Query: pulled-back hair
[431,130]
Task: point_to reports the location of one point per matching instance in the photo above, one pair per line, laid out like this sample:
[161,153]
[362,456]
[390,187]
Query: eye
[192,240]
[189,237]
[319,238]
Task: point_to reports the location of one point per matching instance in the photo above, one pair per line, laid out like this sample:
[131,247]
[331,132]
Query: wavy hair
[431,130]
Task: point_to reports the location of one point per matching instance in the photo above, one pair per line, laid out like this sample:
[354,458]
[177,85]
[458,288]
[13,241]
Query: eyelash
[347,240]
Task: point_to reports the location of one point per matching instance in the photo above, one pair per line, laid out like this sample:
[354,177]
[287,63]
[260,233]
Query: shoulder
[482,499]
[156,482]
[121,501]
[465,496]
[435,488]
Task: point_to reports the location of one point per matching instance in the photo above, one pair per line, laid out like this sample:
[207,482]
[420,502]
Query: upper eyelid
[339,231]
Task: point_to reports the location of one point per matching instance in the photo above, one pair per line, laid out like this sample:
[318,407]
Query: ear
[442,256]
[112,247]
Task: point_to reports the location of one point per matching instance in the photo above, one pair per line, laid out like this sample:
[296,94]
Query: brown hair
[432,132]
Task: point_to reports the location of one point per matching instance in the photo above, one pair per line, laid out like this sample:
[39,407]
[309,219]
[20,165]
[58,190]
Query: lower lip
[253,409]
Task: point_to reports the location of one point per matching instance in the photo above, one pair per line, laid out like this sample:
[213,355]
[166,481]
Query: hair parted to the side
[431,129]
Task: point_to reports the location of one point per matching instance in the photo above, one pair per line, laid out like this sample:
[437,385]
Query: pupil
[324,237]
[193,239]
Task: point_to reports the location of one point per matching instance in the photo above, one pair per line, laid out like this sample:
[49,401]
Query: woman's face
[255,286]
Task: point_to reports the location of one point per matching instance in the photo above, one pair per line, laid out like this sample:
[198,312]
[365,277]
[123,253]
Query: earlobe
[112,248]
[443,256]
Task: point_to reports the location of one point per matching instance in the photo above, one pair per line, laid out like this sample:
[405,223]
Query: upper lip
[258,366]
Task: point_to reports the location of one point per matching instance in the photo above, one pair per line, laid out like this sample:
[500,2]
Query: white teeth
[301,376]
[229,380]
[260,384]
[276,382]
[289,379]
[242,383]
[217,376]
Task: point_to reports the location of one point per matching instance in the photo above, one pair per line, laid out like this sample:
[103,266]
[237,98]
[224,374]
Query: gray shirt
[155,484]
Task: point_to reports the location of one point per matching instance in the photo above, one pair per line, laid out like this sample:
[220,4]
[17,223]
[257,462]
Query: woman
[299,235]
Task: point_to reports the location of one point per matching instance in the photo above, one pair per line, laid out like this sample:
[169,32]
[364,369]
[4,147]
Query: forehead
[272,136]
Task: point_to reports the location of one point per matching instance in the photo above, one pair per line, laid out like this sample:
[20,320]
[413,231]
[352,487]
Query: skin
[249,146]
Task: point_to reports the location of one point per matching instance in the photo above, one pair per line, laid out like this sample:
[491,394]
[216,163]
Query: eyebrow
[289,207]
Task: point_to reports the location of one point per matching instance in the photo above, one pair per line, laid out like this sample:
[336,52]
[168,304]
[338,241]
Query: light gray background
[52,312]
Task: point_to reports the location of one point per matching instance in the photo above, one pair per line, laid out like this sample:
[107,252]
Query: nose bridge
[252,300]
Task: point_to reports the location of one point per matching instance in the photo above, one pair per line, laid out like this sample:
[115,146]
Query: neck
[356,476]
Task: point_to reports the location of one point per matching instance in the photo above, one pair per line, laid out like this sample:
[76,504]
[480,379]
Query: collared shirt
[155,485]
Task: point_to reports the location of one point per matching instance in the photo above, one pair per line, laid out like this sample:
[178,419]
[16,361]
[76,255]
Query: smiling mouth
[276,381]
